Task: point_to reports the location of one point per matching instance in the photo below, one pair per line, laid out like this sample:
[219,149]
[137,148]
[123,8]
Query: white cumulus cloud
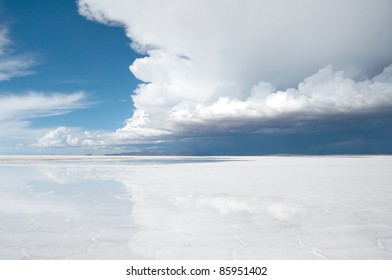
[70,137]
[230,65]
[324,94]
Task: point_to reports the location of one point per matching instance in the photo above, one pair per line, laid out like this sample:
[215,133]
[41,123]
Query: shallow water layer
[196,208]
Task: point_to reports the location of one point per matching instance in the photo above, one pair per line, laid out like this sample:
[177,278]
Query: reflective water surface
[197,208]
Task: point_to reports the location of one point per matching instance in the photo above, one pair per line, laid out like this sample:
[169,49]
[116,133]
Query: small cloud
[12,65]
[4,40]
[66,137]
[59,137]
[37,104]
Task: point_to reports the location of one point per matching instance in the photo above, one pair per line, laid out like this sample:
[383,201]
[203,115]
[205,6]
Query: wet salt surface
[208,208]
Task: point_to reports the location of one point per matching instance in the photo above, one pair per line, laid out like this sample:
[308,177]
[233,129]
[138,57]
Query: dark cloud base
[354,135]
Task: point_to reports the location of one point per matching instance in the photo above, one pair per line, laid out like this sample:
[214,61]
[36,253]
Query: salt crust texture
[187,208]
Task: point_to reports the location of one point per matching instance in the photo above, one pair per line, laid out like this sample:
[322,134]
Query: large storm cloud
[262,68]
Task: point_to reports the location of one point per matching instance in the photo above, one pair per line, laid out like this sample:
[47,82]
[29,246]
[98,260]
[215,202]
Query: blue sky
[195,77]
[71,54]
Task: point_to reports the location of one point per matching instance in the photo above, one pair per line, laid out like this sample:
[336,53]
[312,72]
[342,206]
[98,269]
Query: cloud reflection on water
[256,208]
